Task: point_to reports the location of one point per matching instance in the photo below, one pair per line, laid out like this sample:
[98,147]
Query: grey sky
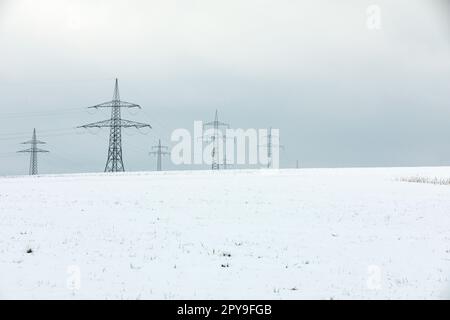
[341,94]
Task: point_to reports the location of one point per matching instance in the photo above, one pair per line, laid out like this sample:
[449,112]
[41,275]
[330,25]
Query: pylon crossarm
[155,153]
[36,142]
[115,103]
[160,147]
[108,104]
[124,104]
[272,145]
[130,124]
[216,123]
[32,150]
[120,123]
[100,124]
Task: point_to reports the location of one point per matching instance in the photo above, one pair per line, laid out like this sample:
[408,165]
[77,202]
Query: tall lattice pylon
[114,162]
[270,145]
[225,163]
[215,138]
[33,150]
[159,151]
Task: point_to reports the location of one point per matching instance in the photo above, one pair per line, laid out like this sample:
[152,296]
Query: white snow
[250,234]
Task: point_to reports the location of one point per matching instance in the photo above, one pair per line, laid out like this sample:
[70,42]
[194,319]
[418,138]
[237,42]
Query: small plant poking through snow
[435,180]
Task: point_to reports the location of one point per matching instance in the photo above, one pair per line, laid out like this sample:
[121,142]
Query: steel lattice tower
[225,138]
[33,150]
[114,162]
[215,138]
[160,151]
[270,145]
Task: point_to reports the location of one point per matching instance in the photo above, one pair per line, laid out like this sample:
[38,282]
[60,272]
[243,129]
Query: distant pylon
[159,152]
[33,150]
[114,162]
[225,138]
[270,145]
[233,142]
[215,138]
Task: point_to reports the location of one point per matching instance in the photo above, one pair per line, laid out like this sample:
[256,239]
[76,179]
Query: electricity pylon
[114,162]
[215,138]
[33,150]
[270,145]
[225,138]
[159,152]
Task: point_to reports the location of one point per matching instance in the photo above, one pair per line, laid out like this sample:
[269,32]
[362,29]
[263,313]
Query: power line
[44,113]
[69,159]
[44,135]
[159,124]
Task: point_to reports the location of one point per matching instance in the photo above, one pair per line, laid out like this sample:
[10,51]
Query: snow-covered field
[287,234]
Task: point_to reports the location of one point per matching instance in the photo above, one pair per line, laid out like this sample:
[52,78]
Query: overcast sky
[342,94]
